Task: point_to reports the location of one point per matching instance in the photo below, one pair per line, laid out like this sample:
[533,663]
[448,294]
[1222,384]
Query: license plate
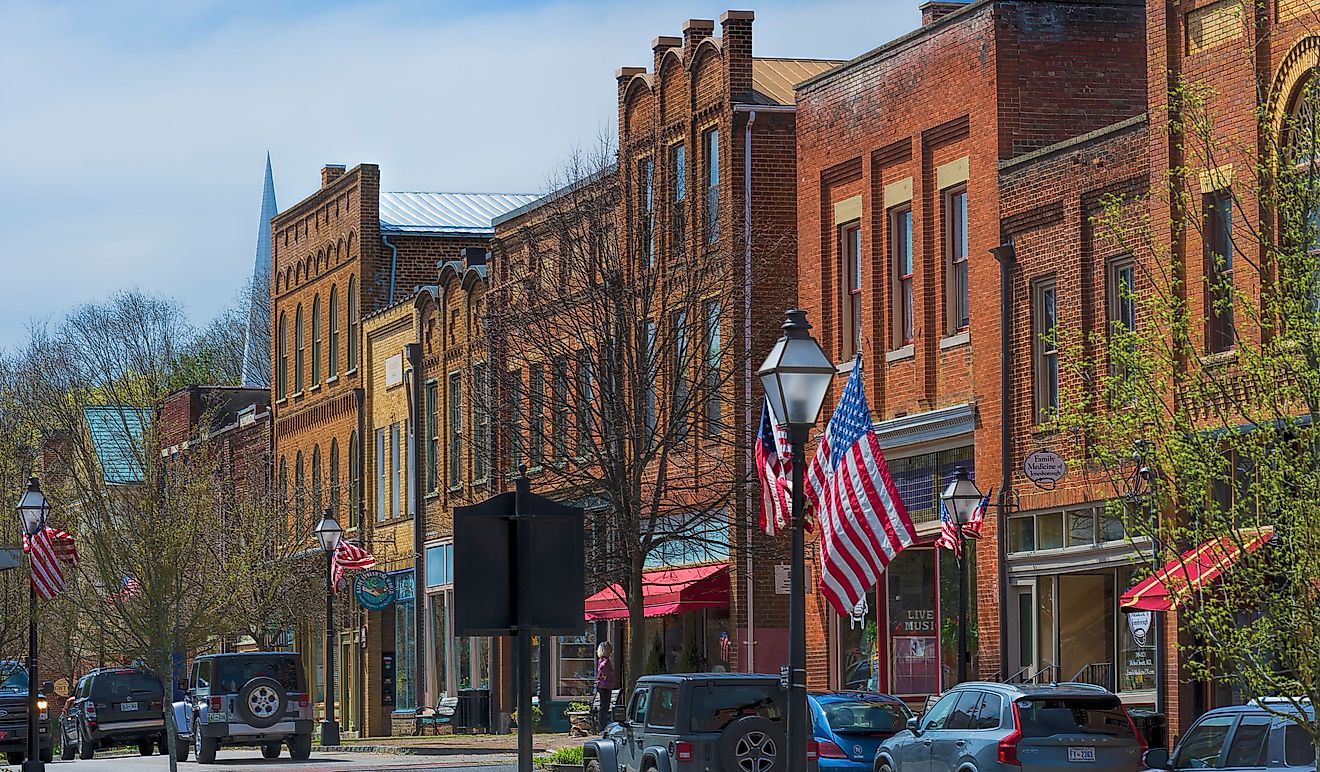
[220,717]
[1081,754]
[127,706]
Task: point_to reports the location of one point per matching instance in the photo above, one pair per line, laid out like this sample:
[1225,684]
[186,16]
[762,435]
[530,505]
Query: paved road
[249,760]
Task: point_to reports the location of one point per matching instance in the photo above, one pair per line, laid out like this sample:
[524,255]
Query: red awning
[1179,578]
[667,591]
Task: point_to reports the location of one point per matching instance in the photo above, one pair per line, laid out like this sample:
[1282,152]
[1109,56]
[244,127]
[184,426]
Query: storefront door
[1022,620]
[347,665]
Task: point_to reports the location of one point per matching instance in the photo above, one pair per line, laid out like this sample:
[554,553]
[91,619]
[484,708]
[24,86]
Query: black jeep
[114,706]
[14,714]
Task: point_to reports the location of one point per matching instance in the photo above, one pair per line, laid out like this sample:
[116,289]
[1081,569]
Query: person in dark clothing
[606,681]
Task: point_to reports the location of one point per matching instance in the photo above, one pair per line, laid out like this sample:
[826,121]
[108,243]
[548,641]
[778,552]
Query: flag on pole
[774,464]
[46,551]
[972,528]
[347,557]
[128,588]
[862,519]
[948,538]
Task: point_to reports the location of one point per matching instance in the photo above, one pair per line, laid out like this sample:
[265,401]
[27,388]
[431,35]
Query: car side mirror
[47,688]
[1156,758]
[914,725]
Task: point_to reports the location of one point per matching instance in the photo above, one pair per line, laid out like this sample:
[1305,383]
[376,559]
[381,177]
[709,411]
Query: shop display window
[914,624]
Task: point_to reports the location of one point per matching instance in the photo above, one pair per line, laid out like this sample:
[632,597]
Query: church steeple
[256,344]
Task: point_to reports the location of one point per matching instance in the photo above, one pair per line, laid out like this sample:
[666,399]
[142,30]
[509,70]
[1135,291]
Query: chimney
[695,31]
[473,256]
[330,173]
[934,10]
[660,45]
[737,45]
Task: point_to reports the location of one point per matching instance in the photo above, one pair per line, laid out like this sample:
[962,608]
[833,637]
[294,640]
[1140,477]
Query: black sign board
[387,680]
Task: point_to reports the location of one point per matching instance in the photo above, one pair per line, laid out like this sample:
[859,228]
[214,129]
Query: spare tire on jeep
[261,702]
[753,744]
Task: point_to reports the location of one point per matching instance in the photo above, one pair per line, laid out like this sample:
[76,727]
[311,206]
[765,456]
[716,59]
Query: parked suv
[252,699]
[720,721]
[1242,737]
[14,714]
[982,726]
[113,706]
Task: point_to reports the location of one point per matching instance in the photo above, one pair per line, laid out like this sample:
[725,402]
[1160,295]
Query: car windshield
[233,672]
[125,686]
[715,706]
[1049,716]
[13,678]
[865,716]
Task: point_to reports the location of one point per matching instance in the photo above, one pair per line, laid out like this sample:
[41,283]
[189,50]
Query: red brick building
[899,207]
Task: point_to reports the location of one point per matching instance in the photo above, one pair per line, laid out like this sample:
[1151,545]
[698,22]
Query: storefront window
[920,479]
[1049,530]
[1086,622]
[1136,641]
[575,666]
[1081,528]
[719,640]
[1111,527]
[1022,534]
[914,644]
[1045,626]
[859,647]
[949,627]
[405,615]
[438,633]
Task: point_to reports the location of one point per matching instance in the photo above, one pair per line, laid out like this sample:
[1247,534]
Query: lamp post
[796,376]
[329,532]
[1139,490]
[32,510]
[960,498]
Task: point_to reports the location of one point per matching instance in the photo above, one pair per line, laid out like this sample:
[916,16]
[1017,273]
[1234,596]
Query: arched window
[1299,198]
[351,358]
[354,479]
[299,490]
[316,341]
[333,499]
[317,507]
[298,342]
[282,359]
[332,353]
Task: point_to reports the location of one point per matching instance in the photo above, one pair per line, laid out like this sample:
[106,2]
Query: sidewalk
[456,744]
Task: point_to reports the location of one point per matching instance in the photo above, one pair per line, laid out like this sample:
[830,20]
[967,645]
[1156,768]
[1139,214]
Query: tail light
[826,749]
[813,749]
[1141,739]
[1008,745]
[301,699]
[683,750]
[216,705]
[89,710]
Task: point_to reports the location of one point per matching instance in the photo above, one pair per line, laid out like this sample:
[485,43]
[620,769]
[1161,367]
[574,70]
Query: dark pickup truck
[14,714]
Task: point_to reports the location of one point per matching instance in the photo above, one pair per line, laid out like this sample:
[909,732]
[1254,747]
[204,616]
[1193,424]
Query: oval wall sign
[1044,467]
[374,590]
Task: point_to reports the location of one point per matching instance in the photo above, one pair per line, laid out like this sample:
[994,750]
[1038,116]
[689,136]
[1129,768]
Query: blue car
[849,726]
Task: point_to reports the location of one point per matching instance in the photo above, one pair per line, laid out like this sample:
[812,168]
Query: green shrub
[577,707]
[571,754]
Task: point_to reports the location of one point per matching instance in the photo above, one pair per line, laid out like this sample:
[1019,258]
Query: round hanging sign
[374,590]
[1044,468]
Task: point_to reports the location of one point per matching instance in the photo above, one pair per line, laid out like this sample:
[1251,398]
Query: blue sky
[134,132]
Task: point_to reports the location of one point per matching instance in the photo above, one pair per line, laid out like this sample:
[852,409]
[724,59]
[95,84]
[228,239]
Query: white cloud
[133,134]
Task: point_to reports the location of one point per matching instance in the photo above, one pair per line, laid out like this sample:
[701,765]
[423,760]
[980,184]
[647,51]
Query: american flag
[948,538]
[47,550]
[128,588]
[972,528]
[863,521]
[347,556]
[774,465]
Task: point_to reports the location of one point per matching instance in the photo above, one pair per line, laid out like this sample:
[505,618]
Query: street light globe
[328,531]
[797,374]
[33,508]
[961,496]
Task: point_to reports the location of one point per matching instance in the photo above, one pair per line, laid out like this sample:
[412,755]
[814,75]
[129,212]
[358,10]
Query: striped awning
[1178,579]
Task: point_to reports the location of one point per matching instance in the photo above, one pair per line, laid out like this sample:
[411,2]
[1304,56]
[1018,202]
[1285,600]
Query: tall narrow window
[959,312]
[711,367]
[298,342]
[455,428]
[316,341]
[351,355]
[1122,301]
[1046,348]
[481,422]
[586,394]
[395,492]
[850,248]
[536,414]
[299,490]
[282,365]
[284,487]
[333,499]
[900,244]
[432,436]
[1220,334]
[354,479]
[382,476]
[646,209]
[405,469]
[332,352]
[651,372]
[559,419]
[710,143]
[516,427]
[317,506]
[678,205]
[678,391]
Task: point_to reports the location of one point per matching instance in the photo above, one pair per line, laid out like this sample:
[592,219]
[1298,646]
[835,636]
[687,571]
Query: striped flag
[128,588]
[948,538]
[46,551]
[863,521]
[774,465]
[972,528]
[347,557]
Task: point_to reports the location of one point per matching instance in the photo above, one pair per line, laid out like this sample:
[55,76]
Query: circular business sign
[62,687]
[1044,468]
[374,590]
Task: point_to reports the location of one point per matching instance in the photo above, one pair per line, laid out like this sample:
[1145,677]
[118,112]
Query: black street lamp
[1139,491]
[960,498]
[32,509]
[796,376]
[329,532]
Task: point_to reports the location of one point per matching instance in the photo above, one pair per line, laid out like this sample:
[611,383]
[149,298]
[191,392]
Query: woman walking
[605,682]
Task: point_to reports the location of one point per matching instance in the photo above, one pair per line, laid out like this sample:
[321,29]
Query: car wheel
[753,744]
[67,749]
[883,767]
[146,747]
[204,747]
[181,748]
[270,750]
[15,759]
[300,747]
[592,765]
[86,748]
[262,702]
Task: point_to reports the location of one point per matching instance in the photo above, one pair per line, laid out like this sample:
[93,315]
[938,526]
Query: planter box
[580,723]
[564,767]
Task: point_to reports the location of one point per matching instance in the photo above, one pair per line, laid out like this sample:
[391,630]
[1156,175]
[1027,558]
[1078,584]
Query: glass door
[346,707]
[1022,632]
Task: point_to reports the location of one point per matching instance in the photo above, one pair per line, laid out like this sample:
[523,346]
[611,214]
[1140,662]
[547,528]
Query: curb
[405,750]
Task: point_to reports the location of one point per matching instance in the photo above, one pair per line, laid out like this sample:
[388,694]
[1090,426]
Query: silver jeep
[250,699]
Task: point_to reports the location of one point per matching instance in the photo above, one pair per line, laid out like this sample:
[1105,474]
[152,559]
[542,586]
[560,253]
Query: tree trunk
[636,626]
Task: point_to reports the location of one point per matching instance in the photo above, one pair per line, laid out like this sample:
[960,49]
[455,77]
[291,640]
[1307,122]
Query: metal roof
[116,433]
[774,80]
[441,213]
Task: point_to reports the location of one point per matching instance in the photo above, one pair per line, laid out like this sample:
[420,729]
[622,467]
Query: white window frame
[850,269]
[902,317]
[1045,347]
[956,251]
